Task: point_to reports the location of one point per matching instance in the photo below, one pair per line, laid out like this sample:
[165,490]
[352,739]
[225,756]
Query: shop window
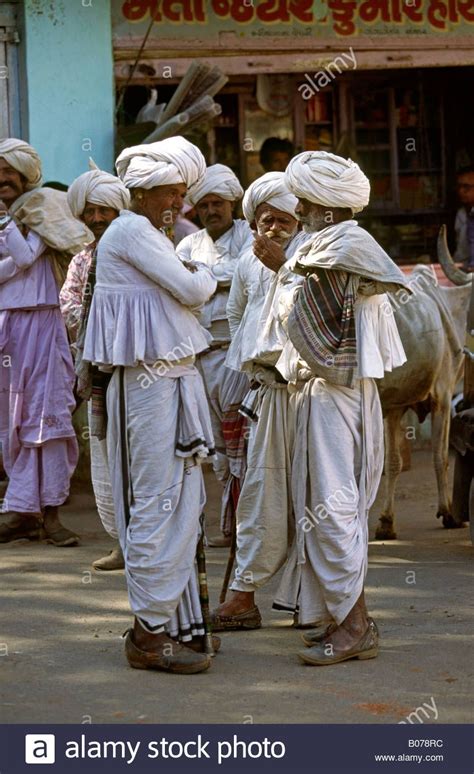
[318,127]
[397,137]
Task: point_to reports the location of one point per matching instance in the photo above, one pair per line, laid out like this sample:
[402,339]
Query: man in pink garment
[38,441]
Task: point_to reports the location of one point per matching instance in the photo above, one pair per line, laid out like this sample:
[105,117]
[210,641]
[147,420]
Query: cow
[432,323]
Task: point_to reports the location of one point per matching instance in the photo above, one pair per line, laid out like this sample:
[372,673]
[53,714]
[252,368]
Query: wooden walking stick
[204,591]
[230,561]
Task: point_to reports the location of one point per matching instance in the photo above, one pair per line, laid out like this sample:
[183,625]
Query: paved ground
[61,656]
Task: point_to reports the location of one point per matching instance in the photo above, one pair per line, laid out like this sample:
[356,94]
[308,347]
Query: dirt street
[62,660]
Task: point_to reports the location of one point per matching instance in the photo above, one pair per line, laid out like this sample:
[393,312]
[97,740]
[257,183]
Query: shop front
[388,83]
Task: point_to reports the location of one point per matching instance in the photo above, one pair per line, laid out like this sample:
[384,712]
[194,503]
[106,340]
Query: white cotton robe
[224,387]
[264,525]
[141,324]
[337,463]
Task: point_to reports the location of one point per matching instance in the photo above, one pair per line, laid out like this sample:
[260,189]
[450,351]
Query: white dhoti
[101,483]
[337,466]
[158,427]
[264,512]
[224,388]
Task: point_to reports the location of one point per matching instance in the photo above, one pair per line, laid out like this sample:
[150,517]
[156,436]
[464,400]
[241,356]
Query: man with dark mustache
[36,376]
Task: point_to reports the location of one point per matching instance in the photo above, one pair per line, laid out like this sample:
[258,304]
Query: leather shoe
[249,619]
[113,561]
[170,656]
[317,635]
[317,655]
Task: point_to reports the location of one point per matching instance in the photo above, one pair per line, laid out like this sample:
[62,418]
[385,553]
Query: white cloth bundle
[219,180]
[22,157]
[99,188]
[330,180]
[272,189]
[167,162]
[47,212]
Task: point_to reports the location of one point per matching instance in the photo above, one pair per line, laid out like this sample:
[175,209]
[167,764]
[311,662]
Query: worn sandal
[29,530]
[250,619]
[62,537]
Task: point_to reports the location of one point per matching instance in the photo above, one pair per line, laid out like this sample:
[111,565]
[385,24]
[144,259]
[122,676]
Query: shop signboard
[254,20]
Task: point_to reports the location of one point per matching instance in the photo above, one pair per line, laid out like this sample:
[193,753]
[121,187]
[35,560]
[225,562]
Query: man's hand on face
[269,252]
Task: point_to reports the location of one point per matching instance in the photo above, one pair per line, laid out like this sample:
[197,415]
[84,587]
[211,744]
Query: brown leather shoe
[61,537]
[169,656]
[55,532]
[367,647]
[249,619]
[317,635]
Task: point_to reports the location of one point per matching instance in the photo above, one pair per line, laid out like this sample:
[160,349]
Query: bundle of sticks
[192,103]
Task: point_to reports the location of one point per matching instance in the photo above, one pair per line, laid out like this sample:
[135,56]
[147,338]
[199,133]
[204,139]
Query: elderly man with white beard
[264,509]
[219,245]
[142,325]
[341,328]
[95,198]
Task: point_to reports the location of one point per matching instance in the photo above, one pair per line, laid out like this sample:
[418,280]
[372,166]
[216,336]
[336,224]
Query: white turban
[97,187]
[330,180]
[218,180]
[272,189]
[167,162]
[22,157]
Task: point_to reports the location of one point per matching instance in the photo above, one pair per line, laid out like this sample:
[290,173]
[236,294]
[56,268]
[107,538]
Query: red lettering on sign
[466,9]
[135,10]
[185,13]
[414,12]
[370,10]
[343,15]
[303,10]
[267,12]
[443,8]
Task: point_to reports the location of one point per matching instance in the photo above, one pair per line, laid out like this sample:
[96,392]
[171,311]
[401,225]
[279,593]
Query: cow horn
[454,274]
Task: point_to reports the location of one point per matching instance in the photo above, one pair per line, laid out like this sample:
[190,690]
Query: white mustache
[278,235]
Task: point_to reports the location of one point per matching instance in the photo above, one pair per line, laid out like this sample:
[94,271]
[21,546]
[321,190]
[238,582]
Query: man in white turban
[340,333]
[143,328]
[37,233]
[96,199]
[165,163]
[219,245]
[264,509]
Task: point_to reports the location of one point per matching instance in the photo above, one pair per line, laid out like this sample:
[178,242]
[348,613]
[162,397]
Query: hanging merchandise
[275,94]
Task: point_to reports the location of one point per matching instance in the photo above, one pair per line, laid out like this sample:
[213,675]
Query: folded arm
[158,261]
[17,253]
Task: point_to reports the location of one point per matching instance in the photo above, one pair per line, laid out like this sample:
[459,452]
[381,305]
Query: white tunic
[252,281]
[141,309]
[222,257]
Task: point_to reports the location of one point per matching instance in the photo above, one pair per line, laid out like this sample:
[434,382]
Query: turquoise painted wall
[68,69]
